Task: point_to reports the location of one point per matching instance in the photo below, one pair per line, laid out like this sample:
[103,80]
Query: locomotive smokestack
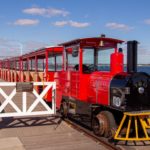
[132,56]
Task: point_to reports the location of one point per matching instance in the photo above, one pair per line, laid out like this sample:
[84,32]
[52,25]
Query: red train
[92,94]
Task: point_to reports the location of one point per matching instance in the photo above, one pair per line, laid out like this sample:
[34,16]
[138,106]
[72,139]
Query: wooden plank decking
[45,134]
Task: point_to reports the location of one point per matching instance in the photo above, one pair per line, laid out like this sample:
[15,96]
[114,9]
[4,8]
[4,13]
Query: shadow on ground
[29,121]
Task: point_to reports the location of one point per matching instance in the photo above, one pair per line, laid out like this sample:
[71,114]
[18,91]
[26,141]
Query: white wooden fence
[30,111]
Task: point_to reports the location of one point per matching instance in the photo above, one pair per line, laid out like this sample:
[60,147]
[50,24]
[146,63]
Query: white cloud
[60,23]
[26,22]
[72,23]
[147,21]
[118,26]
[78,24]
[46,12]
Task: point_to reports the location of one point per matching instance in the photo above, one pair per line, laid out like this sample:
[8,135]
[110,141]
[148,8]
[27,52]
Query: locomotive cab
[86,77]
[97,92]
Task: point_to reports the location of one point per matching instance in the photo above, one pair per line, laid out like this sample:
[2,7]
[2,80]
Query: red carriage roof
[94,42]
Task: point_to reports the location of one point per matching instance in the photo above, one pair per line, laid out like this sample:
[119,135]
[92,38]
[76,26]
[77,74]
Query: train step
[136,126]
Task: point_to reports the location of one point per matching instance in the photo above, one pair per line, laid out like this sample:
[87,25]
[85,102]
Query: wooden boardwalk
[40,133]
[45,134]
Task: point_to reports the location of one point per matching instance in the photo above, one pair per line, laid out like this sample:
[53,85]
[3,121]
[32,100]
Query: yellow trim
[144,127]
[144,113]
[120,126]
[128,117]
[148,119]
[128,129]
[136,128]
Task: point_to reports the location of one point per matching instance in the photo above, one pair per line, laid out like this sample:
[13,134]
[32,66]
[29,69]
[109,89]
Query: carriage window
[32,64]
[88,60]
[104,59]
[7,64]
[2,64]
[72,61]
[12,64]
[17,65]
[59,63]
[51,63]
[88,56]
[25,65]
[41,64]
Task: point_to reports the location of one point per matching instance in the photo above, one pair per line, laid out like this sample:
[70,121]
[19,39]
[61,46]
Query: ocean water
[144,69]
[139,69]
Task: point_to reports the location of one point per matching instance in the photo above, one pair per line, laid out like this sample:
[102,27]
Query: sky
[26,25]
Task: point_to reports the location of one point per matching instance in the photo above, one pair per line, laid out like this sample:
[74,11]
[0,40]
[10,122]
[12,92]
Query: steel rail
[90,134]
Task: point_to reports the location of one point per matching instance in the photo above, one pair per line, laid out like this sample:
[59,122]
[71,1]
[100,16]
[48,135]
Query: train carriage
[102,95]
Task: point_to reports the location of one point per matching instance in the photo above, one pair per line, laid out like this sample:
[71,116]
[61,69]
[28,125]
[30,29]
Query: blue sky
[31,24]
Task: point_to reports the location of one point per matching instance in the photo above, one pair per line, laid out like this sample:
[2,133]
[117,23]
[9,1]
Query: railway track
[100,140]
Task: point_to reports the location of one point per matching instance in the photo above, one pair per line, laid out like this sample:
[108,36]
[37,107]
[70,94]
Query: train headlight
[117,101]
[141,90]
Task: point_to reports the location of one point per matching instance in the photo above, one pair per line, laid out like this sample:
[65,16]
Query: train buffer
[136,127]
[28,107]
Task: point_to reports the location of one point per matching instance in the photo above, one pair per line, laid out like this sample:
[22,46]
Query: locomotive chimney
[132,56]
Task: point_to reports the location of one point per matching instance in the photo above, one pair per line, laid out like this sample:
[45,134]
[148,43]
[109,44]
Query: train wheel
[104,124]
[96,127]
[64,109]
